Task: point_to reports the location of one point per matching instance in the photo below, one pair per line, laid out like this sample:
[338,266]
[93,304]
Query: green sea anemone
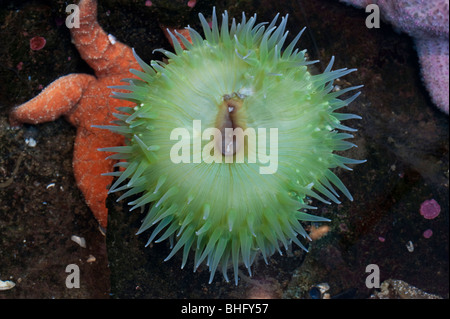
[191,145]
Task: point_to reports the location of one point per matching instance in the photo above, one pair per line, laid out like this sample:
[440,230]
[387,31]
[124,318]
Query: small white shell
[410,246]
[5,285]
[79,240]
[112,39]
[31,142]
[323,287]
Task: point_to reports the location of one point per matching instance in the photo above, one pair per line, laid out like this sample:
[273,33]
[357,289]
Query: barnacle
[228,139]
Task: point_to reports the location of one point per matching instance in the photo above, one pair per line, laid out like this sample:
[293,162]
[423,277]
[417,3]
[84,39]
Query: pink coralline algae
[428,233]
[430,209]
[192,3]
[427,21]
[37,43]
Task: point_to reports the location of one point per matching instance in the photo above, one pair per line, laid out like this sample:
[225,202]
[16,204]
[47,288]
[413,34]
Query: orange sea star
[85,100]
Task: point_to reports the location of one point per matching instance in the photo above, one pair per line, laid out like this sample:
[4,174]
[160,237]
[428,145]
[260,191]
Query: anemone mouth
[220,104]
[228,121]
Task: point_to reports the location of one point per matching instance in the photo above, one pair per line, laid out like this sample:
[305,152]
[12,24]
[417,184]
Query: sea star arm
[89,165]
[57,99]
[101,51]
[433,57]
